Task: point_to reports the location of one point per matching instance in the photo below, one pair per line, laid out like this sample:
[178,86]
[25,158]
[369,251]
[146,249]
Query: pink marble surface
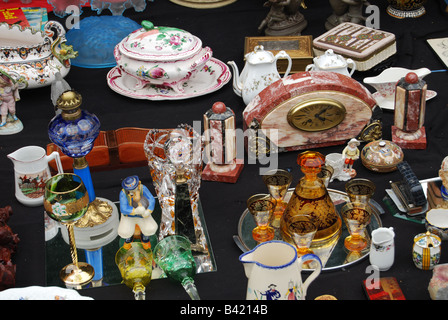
[271,106]
[230,176]
[410,108]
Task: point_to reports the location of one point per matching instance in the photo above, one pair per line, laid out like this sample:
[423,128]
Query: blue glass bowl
[74,137]
[96,38]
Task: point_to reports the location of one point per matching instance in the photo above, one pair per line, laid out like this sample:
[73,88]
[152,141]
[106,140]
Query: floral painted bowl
[161,56]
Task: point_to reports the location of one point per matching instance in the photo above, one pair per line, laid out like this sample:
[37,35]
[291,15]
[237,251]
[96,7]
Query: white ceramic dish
[213,76]
[437,222]
[41,293]
[389,103]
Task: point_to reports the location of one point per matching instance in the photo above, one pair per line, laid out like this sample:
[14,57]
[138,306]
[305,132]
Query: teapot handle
[352,65]
[314,274]
[283,54]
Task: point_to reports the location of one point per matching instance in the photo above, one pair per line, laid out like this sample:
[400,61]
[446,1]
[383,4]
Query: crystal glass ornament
[135,265]
[360,190]
[310,197]
[175,163]
[173,255]
[66,200]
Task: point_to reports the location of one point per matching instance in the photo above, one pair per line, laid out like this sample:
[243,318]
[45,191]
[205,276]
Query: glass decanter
[310,197]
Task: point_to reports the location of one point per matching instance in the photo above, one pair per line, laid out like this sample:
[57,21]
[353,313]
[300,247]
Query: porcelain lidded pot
[381,156]
[426,250]
[332,62]
[160,56]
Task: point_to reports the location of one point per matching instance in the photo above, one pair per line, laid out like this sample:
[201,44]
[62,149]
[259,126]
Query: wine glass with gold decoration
[66,200]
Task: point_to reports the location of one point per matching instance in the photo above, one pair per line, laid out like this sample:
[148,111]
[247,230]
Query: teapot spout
[237,87]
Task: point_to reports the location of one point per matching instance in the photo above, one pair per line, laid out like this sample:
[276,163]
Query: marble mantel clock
[307,110]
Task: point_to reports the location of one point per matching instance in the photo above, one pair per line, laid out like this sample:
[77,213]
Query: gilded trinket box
[366,46]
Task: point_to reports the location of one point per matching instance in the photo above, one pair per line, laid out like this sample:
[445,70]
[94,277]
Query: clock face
[316,114]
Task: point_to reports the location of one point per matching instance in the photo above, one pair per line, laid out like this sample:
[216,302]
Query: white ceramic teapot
[274,272]
[333,62]
[259,72]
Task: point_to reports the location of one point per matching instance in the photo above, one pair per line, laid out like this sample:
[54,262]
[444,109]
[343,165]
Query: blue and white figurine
[136,206]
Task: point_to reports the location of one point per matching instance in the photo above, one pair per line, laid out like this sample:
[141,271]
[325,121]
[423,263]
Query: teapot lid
[427,240]
[259,55]
[330,60]
[159,43]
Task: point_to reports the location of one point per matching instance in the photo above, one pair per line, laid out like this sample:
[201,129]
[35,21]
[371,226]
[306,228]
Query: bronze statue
[284,18]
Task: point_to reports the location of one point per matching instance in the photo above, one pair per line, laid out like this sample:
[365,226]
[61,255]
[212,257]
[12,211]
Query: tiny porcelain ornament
[332,62]
[163,56]
[426,250]
[31,170]
[259,72]
[274,272]
[34,55]
[382,248]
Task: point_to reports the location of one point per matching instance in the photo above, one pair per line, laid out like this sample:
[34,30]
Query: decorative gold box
[299,48]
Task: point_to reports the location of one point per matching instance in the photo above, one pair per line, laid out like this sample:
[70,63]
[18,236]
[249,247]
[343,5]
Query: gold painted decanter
[311,197]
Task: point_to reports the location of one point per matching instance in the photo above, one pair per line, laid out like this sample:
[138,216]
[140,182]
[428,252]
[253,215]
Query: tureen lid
[159,43]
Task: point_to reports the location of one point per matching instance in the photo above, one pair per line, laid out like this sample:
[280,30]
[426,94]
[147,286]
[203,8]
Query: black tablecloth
[224,29]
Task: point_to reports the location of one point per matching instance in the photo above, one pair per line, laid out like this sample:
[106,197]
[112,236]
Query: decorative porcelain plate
[41,293]
[213,76]
[389,104]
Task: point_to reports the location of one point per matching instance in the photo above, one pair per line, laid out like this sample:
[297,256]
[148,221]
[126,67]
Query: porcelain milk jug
[274,272]
[259,72]
[31,170]
[382,248]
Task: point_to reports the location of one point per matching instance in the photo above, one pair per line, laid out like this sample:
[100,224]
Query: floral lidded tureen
[161,56]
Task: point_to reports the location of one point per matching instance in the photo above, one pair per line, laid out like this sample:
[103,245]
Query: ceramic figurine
[410,104]
[345,11]
[9,94]
[284,18]
[259,72]
[220,144]
[443,174]
[136,205]
[350,154]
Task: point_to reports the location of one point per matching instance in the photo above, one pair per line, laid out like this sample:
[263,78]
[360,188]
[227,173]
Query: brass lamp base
[74,277]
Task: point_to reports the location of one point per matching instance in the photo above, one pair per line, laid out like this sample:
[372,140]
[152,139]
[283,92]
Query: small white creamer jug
[274,272]
[31,170]
[382,248]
